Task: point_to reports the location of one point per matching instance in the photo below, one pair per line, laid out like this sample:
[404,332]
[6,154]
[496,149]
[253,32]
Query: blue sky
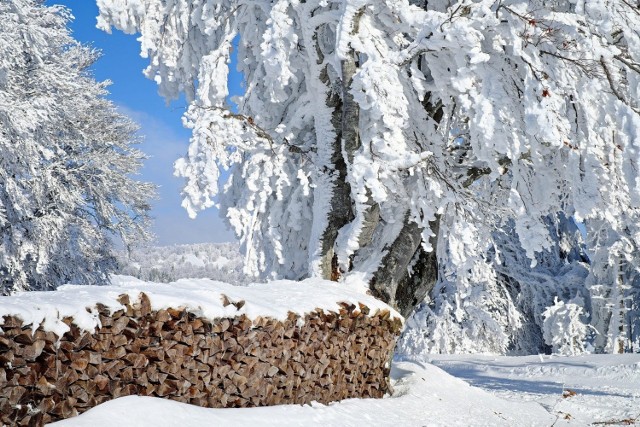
[165,138]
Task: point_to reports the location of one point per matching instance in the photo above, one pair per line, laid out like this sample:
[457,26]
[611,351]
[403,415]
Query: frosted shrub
[563,327]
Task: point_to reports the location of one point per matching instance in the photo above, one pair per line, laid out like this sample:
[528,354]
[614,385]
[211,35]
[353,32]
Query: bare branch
[612,84]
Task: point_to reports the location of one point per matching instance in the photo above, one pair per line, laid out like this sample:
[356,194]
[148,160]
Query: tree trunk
[341,212]
[394,283]
[346,121]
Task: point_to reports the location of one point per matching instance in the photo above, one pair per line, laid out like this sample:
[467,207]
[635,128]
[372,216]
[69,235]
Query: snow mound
[203,297]
[424,396]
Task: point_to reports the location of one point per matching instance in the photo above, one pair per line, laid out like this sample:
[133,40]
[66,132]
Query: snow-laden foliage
[216,261]
[372,132]
[66,157]
[500,306]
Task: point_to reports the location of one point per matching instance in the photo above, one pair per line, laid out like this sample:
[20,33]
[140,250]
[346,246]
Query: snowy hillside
[216,261]
[496,391]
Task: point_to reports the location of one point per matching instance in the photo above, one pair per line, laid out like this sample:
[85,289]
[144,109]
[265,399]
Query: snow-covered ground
[580,390]
[449,391]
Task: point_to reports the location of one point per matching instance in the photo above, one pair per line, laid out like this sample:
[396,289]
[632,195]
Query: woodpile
[229,362]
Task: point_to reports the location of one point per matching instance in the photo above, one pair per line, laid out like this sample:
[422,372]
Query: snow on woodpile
[194,341]
[202,297]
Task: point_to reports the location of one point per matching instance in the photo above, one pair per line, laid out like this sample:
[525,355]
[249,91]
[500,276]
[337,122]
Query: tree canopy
[407,145]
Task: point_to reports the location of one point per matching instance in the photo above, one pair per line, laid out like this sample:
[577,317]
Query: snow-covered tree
[216,261]
[613,285]
[386,142]
[66,157]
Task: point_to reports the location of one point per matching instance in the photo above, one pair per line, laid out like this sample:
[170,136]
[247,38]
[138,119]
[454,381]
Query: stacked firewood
[228,362]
